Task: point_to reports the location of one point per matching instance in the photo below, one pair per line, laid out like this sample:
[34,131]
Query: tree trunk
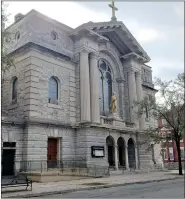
[179,156]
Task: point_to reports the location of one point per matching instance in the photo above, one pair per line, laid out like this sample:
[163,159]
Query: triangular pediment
[119,35]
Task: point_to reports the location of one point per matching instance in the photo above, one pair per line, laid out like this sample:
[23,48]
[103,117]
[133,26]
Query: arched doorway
[110,150]
[121,152]
[131,154]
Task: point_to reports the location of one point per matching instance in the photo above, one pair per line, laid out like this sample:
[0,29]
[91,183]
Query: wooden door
[52,152]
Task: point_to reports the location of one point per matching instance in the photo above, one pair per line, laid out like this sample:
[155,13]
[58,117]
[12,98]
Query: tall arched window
[14,89]
[53,91]
[105,81]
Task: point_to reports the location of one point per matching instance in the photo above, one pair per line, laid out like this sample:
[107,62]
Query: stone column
[116,156]
[94,88]
[132,96]
[139,91]
[126,157]
[136,157]
[84,87]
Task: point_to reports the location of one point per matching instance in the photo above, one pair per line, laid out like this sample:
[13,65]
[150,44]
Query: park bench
[16,181]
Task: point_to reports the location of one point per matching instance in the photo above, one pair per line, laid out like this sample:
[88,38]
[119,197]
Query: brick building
[168,147]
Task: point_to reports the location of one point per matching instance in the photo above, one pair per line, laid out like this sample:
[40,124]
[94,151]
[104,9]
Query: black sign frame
[99,148]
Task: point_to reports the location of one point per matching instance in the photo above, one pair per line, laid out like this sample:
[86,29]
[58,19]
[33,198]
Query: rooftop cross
[113,10]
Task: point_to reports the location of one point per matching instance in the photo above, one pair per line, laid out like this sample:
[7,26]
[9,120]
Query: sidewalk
[41,189]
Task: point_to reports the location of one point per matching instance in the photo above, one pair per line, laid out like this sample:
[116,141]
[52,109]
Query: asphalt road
[165,189]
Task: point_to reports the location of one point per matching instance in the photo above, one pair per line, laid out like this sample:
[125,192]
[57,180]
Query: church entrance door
[121,151]
[131,154]
[110,150]
[8,161]
[52,152]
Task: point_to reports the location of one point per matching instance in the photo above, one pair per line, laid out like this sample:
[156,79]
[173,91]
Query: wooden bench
[16,181]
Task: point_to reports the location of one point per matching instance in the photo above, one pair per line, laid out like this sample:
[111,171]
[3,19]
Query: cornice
[54,123]
[134,56]
[122,31]
[88,33]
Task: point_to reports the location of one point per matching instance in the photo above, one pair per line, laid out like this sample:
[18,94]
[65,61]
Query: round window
[17,35]
[54,35]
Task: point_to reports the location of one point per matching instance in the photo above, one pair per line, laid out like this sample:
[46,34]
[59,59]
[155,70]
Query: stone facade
[43,48]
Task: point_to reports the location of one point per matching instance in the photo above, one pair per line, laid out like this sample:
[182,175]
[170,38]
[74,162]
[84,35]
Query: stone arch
[117,70]
[110,143]
[131,153]
[113,61]
[121,152]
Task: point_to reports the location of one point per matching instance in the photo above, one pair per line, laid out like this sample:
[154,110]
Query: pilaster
[31,99]
[132,96]
[139,97]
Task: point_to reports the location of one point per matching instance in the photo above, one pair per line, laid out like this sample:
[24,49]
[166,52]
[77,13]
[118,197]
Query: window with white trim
[165,154]
[182,153]
[171,154]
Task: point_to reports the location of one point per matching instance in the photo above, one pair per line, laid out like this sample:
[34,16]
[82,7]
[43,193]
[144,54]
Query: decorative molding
[88,33]
[135,56]
[94,55]
[120,80]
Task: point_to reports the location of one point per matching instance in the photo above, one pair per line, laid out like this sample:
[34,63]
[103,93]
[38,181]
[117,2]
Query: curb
[88,188]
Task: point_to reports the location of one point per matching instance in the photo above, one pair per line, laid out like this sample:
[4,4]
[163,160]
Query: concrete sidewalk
[41,189]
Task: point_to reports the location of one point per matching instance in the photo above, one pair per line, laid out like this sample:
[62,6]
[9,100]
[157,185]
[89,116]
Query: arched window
[14,89]
[105,81]
[53,91]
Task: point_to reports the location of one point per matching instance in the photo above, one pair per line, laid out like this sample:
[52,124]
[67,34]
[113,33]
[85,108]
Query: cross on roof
[113,10]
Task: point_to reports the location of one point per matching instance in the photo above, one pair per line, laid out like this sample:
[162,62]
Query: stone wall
[64,72]
[15,110]
[33,69]
[36,138]
[11,133]
[173,165]
[145,156]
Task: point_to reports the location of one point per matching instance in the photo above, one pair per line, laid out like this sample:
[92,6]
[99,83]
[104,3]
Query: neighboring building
[58,96]
[168,147]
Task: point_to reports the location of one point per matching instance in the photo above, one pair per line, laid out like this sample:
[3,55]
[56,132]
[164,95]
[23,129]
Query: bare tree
[170,107]
[6,60]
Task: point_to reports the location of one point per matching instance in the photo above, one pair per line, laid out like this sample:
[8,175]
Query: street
[165,189]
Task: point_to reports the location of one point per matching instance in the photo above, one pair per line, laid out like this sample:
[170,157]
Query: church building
[69,99]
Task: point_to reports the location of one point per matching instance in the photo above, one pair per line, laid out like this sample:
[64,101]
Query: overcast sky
[158,26]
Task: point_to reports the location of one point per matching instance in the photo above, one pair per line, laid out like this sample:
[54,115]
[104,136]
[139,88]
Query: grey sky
[158,26]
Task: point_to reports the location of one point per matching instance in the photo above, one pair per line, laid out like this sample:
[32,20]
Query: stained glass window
[105,84]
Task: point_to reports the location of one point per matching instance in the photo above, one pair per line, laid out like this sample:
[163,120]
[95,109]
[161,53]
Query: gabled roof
[114,31]
[44,17]
[119,35]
